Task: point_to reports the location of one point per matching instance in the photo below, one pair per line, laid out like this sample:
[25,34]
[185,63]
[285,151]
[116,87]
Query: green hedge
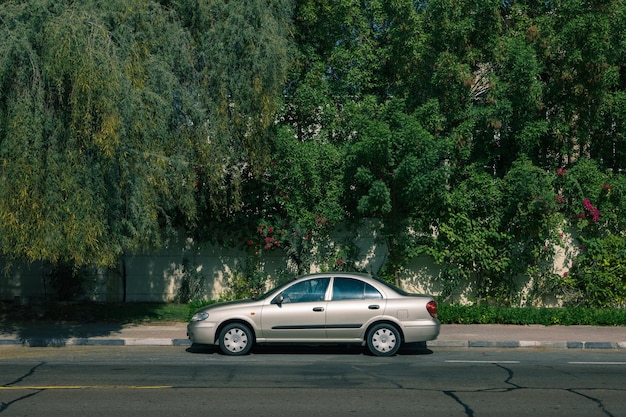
[569,316]
[459,314]
[11,313]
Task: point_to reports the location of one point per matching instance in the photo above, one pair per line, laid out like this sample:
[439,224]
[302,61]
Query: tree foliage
[114,114]
[477,132]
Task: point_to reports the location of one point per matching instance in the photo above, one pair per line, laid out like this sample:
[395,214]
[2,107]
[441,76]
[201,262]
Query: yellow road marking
[44,387]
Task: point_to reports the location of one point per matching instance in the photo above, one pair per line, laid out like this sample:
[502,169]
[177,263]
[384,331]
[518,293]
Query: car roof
[335,273]
[359,275]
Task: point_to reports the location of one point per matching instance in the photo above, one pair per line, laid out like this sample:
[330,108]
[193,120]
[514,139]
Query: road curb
[60,342]
[471,344]
[512,344]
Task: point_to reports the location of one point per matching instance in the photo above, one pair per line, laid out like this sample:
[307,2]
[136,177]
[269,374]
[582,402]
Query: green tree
[242,51]
[306,179]
[470,243]
[106,112]
[578,66]
[396,172]
[60,128]
[495,230]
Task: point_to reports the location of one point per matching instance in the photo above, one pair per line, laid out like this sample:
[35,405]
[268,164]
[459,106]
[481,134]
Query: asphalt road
[174,381]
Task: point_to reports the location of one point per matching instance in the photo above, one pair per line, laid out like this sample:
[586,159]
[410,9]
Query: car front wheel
[236,339]
[383,340]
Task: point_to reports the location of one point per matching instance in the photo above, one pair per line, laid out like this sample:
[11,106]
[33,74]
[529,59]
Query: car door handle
[318,309]
[374,307]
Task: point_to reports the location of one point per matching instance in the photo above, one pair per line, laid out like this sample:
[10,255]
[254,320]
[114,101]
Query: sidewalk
[452,335]
[533,336]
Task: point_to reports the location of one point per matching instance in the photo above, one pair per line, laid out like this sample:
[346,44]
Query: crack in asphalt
[509,379]
[28,374]
[467,408]
[454,394]
[382,378]
[5,405]
[598,401]
[469,412]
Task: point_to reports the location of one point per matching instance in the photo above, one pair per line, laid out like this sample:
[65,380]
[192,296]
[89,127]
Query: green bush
[568,316]
[139,313]
[599,275]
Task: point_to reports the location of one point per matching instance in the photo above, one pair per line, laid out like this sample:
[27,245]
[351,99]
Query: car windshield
[271,292]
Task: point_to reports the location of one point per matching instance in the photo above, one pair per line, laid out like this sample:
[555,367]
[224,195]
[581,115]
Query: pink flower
[561,172]
[249,242]
[565,274]
[340,261]
[595,213]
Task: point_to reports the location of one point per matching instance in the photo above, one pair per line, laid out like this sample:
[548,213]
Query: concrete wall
[157,277]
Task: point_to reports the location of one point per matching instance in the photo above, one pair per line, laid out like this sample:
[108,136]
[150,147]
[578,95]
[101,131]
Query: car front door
[299,315]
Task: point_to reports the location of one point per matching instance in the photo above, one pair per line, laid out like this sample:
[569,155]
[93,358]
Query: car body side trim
[320,326]
[344,326]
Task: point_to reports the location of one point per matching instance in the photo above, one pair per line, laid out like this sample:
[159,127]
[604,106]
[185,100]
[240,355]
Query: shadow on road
[57,333]
[407,350]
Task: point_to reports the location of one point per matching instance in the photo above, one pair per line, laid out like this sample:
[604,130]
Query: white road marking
[597,363]
[462,361]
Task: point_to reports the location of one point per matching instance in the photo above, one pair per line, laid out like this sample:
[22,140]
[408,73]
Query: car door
[353,303]
[300,315]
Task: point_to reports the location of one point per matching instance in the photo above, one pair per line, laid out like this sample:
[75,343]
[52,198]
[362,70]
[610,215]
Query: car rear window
[391,286]
[353,289]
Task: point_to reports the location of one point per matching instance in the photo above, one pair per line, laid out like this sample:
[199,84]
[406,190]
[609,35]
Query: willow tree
[116,116]
[61,127]
[242,53]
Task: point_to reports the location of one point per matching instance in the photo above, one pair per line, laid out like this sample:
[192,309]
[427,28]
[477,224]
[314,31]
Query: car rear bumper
[421,331]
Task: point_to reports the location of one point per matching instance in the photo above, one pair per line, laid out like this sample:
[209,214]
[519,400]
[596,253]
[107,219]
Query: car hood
[228,304]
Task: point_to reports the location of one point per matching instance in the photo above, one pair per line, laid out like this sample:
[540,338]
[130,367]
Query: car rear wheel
[236,339]
[383,340]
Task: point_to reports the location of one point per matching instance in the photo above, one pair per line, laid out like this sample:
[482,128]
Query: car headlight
[199,316]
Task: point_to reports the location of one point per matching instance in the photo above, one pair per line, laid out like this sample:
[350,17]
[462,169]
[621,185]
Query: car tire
[236,339]
[383,340]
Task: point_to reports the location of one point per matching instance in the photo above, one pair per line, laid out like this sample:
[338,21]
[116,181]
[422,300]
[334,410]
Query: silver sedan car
[337,308]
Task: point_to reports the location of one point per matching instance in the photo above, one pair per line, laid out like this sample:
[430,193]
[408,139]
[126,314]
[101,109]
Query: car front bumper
[202,332]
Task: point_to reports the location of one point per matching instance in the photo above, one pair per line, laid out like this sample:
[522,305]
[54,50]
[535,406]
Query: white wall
[156,277]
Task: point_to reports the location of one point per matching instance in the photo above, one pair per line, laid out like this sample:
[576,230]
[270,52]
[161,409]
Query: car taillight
[432,308]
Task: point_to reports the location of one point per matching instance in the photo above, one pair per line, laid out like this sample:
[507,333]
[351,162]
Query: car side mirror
[278,299]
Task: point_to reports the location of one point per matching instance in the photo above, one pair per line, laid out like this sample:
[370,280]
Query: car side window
[353,289]
[306,291]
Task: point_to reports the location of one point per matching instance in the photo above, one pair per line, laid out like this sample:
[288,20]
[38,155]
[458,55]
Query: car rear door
[353,303]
